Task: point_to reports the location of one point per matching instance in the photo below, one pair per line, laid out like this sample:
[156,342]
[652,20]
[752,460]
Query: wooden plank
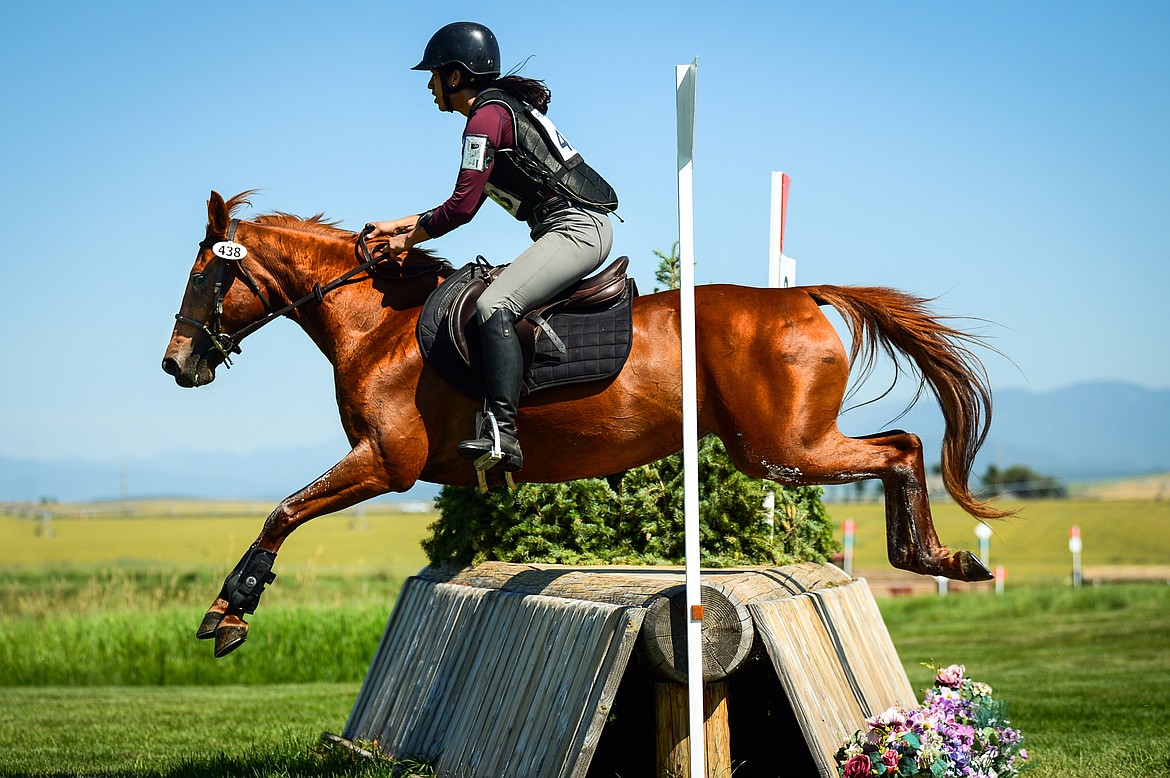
[436,616]
[611,669]
[496,683]
[424,684]
[547,706]
[546,629]
[491,698]
[399,628]
[728,634]
[835,661]
[461,716]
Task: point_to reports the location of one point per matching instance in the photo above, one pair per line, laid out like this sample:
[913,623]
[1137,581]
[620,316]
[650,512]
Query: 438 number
[229,249]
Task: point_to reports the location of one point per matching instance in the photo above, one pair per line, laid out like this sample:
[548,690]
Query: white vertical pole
[685,111]
[781,269]
[1075,545]
[983,532]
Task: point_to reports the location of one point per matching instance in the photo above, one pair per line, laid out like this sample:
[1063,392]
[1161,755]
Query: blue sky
[1009,157]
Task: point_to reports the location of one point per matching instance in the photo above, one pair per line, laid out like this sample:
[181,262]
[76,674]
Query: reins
[229,343]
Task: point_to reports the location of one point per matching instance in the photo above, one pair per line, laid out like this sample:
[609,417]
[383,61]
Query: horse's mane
[316,224]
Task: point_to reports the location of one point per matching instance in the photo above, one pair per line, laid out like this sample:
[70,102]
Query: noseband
[233,266]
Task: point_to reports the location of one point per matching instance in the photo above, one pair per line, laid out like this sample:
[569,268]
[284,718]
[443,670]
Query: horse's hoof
[229,638]
[973,568]
[207,628]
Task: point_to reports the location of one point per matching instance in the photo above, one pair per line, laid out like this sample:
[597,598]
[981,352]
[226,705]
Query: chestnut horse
[772,375]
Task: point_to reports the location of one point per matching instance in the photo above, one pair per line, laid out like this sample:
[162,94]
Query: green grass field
[100,674]
[1032,545]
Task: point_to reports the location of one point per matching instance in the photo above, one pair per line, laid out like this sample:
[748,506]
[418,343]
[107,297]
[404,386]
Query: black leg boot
[503,368]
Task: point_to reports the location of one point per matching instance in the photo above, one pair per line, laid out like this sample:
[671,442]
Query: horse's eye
[197,280]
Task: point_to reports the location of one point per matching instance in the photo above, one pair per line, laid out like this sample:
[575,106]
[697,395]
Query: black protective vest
[541,165]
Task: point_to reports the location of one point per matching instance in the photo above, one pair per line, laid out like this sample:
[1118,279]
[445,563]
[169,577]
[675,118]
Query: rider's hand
[389,229]
[393,237]
[395,245]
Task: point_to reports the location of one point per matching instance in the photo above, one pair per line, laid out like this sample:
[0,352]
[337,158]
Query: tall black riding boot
[503,372]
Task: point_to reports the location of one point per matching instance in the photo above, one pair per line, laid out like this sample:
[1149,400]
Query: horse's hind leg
[911,540]
[893,457]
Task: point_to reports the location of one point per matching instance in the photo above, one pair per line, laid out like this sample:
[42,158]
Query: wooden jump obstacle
[539,670]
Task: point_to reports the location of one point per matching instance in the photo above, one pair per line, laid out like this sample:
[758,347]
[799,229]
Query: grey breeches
[567,246]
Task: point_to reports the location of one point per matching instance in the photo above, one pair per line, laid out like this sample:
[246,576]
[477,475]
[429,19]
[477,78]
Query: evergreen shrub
[636,519]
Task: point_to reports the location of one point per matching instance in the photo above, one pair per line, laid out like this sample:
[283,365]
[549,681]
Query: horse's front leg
[359,476]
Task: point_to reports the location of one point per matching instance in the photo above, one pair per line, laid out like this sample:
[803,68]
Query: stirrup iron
[491,458]
[496,455]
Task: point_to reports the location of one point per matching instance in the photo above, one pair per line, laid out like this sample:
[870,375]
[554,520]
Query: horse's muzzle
[189,369]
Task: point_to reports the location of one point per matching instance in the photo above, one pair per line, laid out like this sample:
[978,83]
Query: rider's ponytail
[531,91]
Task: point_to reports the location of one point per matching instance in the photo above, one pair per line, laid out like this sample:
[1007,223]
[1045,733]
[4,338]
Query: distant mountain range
[1086,432]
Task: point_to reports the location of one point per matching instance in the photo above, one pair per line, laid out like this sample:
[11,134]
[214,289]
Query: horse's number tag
[229,249]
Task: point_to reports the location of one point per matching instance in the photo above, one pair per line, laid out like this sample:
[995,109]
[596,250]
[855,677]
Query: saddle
[582,334]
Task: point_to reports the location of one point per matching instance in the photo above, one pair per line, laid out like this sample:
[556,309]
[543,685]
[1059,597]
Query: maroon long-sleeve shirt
[490,125]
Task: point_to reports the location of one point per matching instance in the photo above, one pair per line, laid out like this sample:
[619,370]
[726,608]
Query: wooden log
[728,632]
[673,745]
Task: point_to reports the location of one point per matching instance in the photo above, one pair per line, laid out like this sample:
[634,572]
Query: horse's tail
[896,322]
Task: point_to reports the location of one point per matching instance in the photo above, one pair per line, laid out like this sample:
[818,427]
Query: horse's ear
[217,214]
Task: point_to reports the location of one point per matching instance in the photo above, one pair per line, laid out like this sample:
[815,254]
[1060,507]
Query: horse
[772,375]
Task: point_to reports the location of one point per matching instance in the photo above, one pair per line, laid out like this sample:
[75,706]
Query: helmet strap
[446,90]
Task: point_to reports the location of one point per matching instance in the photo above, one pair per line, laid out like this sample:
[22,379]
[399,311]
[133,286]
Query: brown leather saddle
[582,334]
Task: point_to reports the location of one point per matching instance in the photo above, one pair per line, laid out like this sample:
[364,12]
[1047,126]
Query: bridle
[228,343]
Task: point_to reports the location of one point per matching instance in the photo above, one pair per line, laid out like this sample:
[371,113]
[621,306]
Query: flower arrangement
[959,731]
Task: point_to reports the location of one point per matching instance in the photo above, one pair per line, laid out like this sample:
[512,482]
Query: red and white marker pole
[848,531]
[781,269]
[1000,578]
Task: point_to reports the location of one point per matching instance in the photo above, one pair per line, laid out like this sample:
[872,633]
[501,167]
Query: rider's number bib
[560,144]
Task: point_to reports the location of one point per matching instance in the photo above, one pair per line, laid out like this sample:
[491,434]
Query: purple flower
[857,767]
[951,677]
[941,734]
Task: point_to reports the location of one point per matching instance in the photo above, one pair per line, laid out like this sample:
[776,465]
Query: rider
[513,154]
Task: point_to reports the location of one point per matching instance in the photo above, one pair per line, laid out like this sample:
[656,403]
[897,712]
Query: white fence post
[685,110]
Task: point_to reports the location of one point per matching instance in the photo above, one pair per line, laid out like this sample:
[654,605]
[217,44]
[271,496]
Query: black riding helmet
[467,44]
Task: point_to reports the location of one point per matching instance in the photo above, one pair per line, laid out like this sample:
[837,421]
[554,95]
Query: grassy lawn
[100,674]
[1086,672]
[1032,545]
[147,731]
[178,536]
